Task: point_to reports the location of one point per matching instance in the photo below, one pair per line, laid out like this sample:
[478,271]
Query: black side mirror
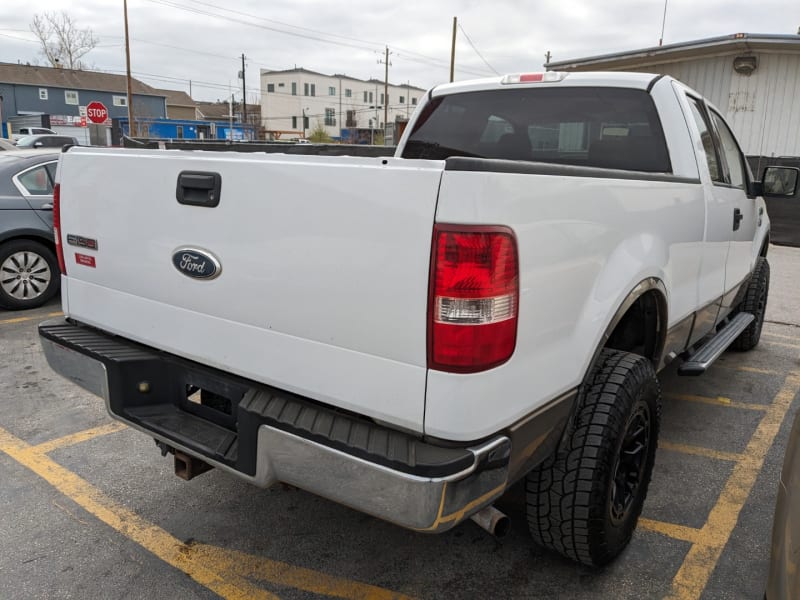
[780,182]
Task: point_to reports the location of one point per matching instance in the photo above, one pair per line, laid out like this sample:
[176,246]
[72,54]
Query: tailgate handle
[198,188]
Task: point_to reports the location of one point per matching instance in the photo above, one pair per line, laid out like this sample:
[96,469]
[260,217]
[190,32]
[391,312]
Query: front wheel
[585,500]
[29,274]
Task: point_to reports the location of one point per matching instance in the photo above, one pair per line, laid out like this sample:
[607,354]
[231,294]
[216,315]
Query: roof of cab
[580,79]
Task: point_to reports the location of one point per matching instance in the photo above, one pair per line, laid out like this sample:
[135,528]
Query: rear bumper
[267,435]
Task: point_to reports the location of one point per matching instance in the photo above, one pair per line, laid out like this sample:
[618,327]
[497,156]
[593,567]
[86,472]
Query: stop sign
[97,112]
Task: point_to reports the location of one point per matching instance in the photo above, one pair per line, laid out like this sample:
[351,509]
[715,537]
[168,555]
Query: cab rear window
[615,128]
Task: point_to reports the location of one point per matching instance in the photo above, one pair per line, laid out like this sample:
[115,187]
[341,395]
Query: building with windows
[753,79]
[296,101]
[57,98]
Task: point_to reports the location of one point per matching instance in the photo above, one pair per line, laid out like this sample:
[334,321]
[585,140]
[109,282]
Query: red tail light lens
[57,227]
[474,297]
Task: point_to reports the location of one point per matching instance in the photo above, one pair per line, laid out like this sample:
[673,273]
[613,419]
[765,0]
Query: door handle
[47,206]
[737,218]
[198,188]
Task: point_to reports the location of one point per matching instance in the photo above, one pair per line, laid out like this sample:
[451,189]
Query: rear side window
[615,128]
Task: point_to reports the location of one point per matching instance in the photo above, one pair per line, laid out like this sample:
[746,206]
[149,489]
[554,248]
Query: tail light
[474,297]
[57,227]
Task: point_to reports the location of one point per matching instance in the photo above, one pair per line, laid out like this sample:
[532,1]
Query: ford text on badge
[196,263]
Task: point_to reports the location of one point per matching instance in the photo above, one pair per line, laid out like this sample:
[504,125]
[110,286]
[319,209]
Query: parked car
[46,141]
[29,274]
[784,564]
[6,145]
[23,131]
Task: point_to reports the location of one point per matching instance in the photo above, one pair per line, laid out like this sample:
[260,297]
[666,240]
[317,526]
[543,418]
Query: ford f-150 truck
[410,335]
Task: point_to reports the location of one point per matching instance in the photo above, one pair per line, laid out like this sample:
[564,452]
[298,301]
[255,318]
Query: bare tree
[63,44]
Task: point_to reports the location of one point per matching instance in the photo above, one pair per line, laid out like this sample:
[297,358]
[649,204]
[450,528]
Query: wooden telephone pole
[131,122]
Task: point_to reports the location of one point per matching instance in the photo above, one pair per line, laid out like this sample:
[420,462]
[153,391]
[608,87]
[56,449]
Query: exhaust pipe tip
[493,521]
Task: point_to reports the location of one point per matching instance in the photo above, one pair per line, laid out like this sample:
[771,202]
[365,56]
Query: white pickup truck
[410,335]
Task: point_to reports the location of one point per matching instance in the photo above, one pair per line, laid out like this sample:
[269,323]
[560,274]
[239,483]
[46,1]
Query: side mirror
[780,182]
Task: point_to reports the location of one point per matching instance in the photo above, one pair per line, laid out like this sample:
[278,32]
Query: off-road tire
[571,502]
[755,302]
[35,259]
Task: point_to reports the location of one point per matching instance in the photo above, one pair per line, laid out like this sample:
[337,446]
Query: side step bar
[698,362]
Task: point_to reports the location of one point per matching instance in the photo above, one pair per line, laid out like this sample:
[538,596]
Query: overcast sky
[172,45]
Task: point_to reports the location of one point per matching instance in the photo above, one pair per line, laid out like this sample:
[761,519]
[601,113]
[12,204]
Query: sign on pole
[96,112]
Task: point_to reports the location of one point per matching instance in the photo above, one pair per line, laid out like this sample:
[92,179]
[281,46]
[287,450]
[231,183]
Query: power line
[476,50]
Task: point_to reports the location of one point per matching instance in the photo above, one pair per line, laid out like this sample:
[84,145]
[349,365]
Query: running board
[698,362]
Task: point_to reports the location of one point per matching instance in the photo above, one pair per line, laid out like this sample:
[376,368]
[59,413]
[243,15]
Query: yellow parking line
[215,568]
[718,401]
[702,558]
[757,370]
[79,437]
[23,319]
[700,451]
[678,532]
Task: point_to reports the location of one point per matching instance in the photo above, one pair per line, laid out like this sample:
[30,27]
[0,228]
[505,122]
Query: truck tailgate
[322,287]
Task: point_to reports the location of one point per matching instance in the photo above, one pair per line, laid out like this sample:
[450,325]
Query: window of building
[351,118]
[305,89]
[294,122]
[365,97]
[381,98]
[348,93]
[70,97]
[120,100]
[42,93]
[413,101]
[294,88]
[331,91]
[370,96]
[313,90]
[270,87]
[330,116]
[305,122]
[179,132]
[281,84]
[402,99]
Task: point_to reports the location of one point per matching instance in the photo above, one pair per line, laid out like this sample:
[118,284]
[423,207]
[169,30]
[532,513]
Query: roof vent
[745,65]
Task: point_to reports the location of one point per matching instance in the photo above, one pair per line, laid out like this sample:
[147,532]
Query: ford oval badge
[196,263]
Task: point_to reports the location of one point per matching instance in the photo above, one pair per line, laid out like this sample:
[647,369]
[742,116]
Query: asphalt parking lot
[91,510]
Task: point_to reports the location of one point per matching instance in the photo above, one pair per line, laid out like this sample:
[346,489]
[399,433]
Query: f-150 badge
[195,263]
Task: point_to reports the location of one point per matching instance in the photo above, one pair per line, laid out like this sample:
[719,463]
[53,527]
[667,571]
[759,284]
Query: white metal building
[341,104]
[753,79]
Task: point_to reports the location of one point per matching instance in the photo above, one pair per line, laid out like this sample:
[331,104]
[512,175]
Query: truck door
[745,217]
[720,203]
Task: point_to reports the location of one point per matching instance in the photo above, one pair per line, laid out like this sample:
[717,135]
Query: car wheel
[584,501]
[755,302]
[29,274]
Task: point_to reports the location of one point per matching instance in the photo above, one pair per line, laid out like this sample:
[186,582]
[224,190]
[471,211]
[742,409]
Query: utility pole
[131,123]
[453,51]
[385,93]
[244,97]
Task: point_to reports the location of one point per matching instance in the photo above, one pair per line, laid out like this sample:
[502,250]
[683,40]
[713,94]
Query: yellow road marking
[678,532]
[224,572]
[718,401]
[79,437]
[757,370]
[702,558]
[700,451]
[23,319]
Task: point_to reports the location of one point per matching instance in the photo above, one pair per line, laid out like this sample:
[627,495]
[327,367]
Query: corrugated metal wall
[763,108]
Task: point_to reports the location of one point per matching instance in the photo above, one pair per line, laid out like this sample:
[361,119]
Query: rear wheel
[755,302]
[29,274]
[584,501]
